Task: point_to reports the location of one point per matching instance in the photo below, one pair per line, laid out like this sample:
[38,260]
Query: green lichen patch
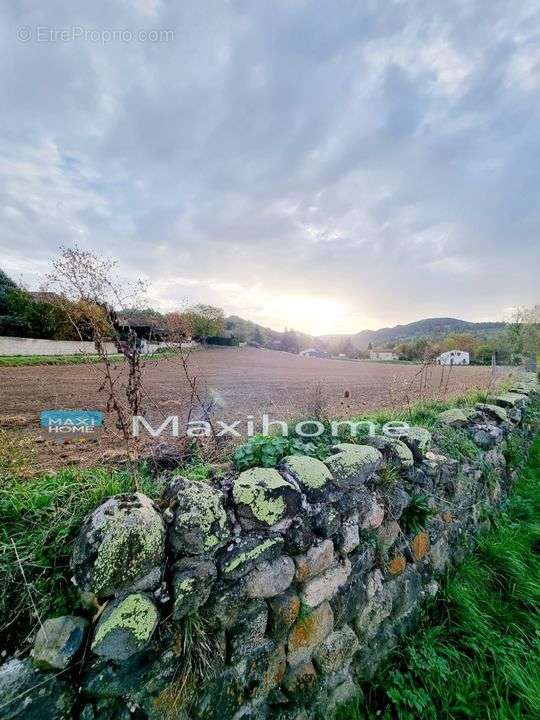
[263,495]
[249,553]
[125,627]
[310,473]
[354,465]
[120,547]
[200,521]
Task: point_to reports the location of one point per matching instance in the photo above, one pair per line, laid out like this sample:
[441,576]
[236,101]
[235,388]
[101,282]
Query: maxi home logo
[61,424]
[248,427]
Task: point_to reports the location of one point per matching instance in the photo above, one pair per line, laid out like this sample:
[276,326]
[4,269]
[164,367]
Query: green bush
[268,450]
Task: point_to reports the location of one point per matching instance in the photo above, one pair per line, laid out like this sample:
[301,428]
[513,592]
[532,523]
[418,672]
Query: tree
[289,342]
[6,286]
[522,336]
[204,321]
[177,326]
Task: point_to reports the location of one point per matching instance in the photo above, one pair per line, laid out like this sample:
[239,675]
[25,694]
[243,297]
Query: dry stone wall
[272,594]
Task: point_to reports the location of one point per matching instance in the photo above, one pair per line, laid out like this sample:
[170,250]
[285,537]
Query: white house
[313,352]
[453,357]
[383,355]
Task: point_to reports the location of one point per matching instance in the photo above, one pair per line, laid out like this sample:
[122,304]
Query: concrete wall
[12,346]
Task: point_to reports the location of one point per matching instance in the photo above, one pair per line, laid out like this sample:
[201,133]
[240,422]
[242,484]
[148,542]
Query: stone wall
[272,594]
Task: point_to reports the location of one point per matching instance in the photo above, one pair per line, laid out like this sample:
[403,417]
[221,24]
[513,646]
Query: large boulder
[120,547]
[199,523]
[58,641]
[263,498]
[351,465]
[27,694]
[126,627]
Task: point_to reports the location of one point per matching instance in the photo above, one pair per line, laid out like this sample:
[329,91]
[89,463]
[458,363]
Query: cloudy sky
[332,165]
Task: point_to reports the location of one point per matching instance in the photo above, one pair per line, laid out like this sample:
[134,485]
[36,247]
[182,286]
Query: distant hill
[430,328]
[433,328]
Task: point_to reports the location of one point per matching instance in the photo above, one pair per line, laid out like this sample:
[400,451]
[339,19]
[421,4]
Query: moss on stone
[454,416]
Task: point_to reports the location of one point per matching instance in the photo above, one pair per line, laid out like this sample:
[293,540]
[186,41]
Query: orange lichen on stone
[420,545]
[447,516]
[397,564]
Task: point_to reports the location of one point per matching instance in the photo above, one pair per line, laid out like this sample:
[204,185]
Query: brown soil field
[237,381]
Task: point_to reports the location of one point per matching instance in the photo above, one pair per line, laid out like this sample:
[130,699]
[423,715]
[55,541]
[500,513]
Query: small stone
[300,683]
[248,634]
[250,550]
[299,536]
[334,653]
[374,517]
[495,411]
[126,627]
[353,464]
[121,547]
[396,565]
[327,521]
[324,586]
[420,545]
[58,641]
[308,633]
[396,502]
[394,450]
[387,534]
[456,417]
[192,582]
[284,610]
[349,537]
[270,578]
[309,473]
[508,400]
[317,559]
[263,498]
[418,440]
[200,524]
[447,516]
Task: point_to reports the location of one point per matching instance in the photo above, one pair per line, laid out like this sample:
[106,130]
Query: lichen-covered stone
[300,683]
[419,545]
[284,610]
[495,411]
[248,633]
[508,400]
[335,652]
[418,440]
[265,670]
[387,534]
[486,435]
[405,591]
[393,450]
[456,417]
[349,537]
[324,586]
[311,474]
[247,552]
[317,559]
[299,536]
[396,500]
[199,524]
[263,498]
[308,632]
[353,464]
[270,578]
[126,627]
[120,547]
[222,697]
[372,614]
[374,516]
[396,565]
[58,641]
[27,694]
[192,581]
[327,521]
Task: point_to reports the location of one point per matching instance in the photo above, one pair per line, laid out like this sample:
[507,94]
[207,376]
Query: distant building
[383,355]
[453,357]
[313,352]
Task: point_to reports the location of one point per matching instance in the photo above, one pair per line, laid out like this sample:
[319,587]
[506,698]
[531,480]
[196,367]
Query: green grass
[24,360]
[477,656]
[40,519]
